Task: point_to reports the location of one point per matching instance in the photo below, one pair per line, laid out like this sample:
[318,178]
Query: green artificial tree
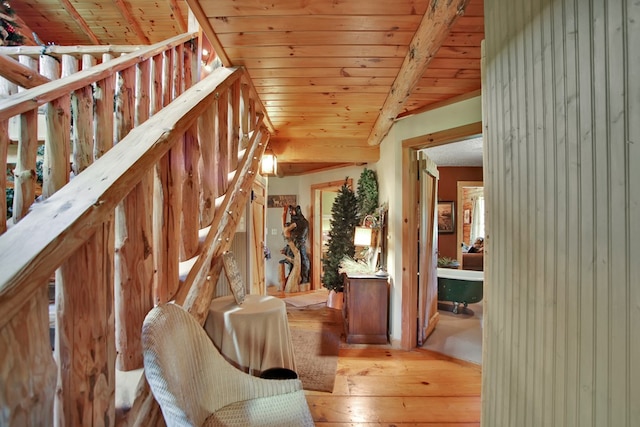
[344,218]
[9,35]
[367,193]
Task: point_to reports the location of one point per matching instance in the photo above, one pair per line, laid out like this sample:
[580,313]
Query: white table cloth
[253,336]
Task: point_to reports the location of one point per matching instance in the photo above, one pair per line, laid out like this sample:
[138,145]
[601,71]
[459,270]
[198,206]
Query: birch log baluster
[191,183]
[222,138]
[57,141]
[244,115]
[165,201]
[190,194]
[103,118]
[27,355]
[7,89]
[85,342]
[69,65]
[88,61]
[82,136]
[208,164]
[234,124]
[178,71]
[25,171]
[134,261]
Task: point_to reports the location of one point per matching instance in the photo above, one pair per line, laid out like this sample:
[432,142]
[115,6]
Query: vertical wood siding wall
[562,173]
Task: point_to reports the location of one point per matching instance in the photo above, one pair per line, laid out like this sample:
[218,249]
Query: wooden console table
[366,309]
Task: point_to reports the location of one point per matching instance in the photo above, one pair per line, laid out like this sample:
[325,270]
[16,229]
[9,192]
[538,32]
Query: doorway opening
[410,241]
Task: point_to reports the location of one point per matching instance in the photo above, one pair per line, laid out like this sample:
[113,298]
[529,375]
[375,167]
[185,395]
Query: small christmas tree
[9,35]
[344,218]
[367,193]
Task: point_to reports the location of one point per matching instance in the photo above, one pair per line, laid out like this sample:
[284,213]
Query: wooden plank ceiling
[322,68]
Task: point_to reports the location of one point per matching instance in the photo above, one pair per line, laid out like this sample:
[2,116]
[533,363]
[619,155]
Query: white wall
[562,173]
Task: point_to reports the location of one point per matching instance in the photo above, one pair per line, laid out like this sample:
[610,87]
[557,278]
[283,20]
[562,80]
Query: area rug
[316,347]
[311,298]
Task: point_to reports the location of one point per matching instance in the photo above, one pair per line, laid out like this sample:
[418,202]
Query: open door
[427,248]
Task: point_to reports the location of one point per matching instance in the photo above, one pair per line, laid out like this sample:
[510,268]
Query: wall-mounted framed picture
[280,201]
[446,217]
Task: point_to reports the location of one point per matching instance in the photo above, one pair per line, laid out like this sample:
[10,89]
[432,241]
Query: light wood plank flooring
[377,385]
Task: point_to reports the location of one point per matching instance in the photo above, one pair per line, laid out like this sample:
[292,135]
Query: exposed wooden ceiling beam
[20,74]
[433,30]
[298,150]
[126,14]
[79,20]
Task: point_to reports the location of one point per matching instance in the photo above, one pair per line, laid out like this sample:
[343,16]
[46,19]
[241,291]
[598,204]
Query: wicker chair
[195,385]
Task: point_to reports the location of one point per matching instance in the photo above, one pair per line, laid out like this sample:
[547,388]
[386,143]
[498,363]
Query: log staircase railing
[185,158]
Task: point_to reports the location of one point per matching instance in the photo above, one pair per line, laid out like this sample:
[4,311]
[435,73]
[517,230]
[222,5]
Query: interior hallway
[378,385]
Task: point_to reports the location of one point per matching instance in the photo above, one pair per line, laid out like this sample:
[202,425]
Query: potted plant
[344,218]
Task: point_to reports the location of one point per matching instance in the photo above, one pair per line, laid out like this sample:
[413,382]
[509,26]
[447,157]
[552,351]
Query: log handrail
[74,229]
[33,98]
[73,212]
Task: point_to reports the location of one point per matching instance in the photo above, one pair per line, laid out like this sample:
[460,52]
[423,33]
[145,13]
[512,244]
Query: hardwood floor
[380,386]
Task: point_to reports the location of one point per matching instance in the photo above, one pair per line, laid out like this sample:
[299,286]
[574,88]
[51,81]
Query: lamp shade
[268,165]
[362,236]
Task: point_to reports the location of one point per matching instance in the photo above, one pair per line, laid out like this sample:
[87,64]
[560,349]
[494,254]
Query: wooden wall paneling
[27,367]
[208,165]
[631,293]
[25,170]
[559,335]
[85,333]
[56,166]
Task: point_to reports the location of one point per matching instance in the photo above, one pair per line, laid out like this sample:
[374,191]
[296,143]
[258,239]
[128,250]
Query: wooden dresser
[366,309]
